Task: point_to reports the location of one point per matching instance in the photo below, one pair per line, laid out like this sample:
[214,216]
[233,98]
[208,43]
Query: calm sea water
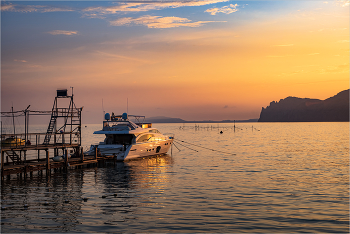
[259,177]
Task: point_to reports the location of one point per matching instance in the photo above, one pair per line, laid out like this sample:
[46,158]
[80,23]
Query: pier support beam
[47,160]
[66,158]
[2,164]
[82,155]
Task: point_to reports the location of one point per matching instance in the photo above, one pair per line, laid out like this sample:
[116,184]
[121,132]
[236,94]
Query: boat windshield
[119,139]
[118,125]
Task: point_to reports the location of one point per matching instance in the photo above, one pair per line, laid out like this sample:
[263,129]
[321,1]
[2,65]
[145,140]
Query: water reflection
[41,203]
[284,178]
[150,173]
[130,185]
[56,203]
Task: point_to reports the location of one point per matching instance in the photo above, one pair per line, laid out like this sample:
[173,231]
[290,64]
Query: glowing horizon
[195,60]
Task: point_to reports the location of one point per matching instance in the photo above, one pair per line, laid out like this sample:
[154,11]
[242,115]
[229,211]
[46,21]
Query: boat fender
[57,158]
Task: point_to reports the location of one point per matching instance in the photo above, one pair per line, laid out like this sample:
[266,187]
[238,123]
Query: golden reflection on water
[150,171]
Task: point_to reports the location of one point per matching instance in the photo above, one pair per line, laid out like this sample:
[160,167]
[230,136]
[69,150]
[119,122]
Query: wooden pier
[46,164]
[62,138]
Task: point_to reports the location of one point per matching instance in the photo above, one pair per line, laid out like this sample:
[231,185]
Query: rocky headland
[294,109]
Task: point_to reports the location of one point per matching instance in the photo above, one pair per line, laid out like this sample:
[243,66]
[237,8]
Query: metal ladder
[50,129]
[14,156]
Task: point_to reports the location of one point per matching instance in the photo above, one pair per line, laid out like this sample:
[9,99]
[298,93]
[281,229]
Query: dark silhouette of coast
[290,109]
[294,109]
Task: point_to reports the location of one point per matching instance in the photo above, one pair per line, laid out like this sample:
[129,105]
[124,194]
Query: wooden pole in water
[96,153]
[66,158]
[82,155]
[47,160]
[2,164]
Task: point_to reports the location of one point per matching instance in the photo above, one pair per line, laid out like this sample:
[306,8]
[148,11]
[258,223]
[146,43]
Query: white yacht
[128,140]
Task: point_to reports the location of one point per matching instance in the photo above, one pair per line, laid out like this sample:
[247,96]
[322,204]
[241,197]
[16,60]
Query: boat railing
[115,124]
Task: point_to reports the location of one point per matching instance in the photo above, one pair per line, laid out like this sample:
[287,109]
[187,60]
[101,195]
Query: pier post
[2,164]
[82,154]
[66,158]
[96,153]
[47,160]
[25,169]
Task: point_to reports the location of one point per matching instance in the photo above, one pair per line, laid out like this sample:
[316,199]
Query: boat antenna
[127,105]
[103,109]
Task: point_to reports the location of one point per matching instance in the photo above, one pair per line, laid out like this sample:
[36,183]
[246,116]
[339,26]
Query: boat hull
[136,150]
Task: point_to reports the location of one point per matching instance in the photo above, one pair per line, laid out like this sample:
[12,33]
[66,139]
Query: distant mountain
[294,109]
[163,119]
[224,121]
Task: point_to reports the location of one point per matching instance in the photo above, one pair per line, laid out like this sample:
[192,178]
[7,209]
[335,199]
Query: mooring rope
[186,146]
[176,146]
[177,141]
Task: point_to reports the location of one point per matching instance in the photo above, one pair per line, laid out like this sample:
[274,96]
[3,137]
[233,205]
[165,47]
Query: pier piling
[82,155]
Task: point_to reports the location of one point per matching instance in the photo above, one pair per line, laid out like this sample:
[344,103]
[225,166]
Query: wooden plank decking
[30,167]
[41,164]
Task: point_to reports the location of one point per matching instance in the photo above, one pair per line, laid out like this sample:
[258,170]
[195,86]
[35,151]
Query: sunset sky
[193,59]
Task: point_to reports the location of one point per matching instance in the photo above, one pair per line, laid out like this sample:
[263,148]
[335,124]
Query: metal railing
[36,139]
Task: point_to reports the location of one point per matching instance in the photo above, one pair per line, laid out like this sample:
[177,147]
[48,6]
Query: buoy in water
[221,132]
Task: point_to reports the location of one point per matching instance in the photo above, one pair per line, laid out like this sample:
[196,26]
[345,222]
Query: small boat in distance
[128,140]
[12,142]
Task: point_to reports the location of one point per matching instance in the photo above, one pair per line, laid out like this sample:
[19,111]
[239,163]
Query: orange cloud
[63,32]
[147,6]
[159,22]
[32,8]
[226,9]
[22,61]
